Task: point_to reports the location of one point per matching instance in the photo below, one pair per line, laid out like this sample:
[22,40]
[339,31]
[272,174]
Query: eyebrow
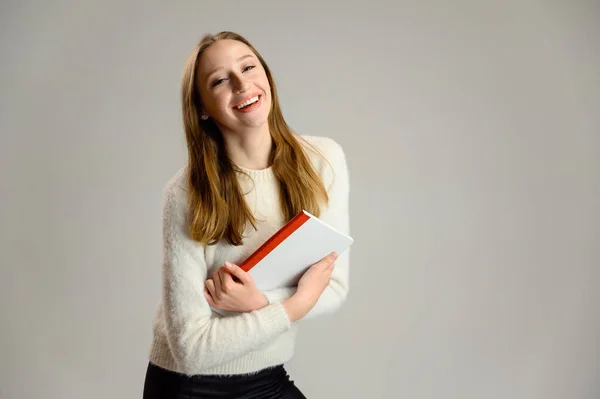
[243,57]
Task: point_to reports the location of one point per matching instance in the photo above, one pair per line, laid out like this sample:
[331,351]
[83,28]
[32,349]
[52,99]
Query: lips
[249,106]
[246,99]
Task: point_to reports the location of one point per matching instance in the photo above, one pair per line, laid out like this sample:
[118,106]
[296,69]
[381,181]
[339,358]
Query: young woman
[247,175]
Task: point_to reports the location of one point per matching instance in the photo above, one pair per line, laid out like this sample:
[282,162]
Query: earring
[204,117]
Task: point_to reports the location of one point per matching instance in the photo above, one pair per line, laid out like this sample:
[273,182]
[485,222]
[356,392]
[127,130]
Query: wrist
[260,301]
[292,308]
[297,306]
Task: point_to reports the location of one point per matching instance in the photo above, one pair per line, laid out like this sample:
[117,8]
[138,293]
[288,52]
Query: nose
[240,84]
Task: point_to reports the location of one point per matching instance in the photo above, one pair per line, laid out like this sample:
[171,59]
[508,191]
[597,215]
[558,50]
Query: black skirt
[272,383]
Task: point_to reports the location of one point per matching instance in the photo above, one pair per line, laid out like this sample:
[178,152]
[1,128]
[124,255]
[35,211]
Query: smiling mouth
[248,102]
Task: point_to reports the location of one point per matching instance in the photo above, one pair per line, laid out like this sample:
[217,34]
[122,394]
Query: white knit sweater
[191,339]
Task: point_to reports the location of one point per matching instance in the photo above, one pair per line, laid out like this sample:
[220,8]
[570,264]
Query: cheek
[223,103]
[267,86]
[267,89]
[218,103]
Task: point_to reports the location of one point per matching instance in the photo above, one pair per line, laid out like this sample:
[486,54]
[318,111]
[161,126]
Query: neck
[250,149]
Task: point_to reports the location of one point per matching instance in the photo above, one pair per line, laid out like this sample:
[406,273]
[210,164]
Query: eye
[249,67]
[217,82]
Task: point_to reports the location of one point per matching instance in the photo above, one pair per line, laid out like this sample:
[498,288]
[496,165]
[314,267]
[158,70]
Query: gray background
[472,131]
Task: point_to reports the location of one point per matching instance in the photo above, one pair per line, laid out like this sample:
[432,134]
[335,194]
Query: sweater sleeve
[336,214]
[199,338]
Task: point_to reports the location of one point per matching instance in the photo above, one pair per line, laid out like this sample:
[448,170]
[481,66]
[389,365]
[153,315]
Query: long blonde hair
[217,208]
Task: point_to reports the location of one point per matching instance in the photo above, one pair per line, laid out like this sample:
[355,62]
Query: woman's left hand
[224,292]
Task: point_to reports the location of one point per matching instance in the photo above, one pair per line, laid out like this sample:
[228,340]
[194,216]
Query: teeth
[248,102]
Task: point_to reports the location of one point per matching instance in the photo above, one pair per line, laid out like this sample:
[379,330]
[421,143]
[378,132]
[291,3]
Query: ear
[203,115]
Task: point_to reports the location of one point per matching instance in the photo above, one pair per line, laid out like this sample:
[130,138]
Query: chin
[255,119]
[255,123]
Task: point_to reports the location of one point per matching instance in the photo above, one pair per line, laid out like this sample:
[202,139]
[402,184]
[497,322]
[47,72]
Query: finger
[216,295]
[332,257]
[237,271]
[208,297]
[210,286]
[218,288]
[226,279]
[327,261]
[329,269]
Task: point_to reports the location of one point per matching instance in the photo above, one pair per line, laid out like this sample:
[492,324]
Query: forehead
[222,54]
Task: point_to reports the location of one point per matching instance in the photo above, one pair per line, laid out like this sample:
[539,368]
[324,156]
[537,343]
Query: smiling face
[233,86]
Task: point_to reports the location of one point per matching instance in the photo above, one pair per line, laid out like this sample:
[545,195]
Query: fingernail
[333,255]
[228,265]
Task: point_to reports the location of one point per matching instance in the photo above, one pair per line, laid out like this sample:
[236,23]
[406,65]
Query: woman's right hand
[310,287]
